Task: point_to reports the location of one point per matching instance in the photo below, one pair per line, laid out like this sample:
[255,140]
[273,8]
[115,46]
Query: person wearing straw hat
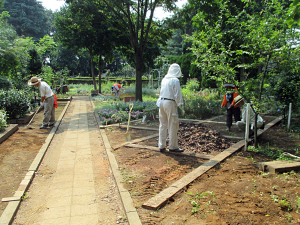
[229,102]
[47,100]
[170,98]
[239,102]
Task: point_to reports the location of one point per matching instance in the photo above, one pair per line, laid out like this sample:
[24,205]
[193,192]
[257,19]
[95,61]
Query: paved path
[74,184]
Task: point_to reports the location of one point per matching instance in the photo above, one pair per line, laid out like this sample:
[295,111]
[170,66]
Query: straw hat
[239,99]
[34,80]
[174,71]
[228,85]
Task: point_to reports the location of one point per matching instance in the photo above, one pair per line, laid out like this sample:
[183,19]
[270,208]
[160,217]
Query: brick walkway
[70,194]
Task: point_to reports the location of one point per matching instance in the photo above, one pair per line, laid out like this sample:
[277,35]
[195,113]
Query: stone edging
[12,128]
[130,210]
[15,201]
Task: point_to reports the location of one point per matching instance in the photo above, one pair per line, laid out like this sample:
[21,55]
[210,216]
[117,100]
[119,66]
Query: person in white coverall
[170,98]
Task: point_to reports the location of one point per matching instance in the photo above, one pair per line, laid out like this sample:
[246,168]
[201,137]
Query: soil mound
[199,138]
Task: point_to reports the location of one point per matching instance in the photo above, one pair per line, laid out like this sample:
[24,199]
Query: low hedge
[15,103]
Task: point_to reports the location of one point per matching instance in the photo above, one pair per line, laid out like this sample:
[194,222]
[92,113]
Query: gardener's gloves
[41,103]
[181,107]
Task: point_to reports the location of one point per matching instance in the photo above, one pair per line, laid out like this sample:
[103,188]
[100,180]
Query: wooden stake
[247,126]
[289,119]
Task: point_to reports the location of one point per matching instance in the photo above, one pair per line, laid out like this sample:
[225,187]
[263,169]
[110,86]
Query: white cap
[174,71]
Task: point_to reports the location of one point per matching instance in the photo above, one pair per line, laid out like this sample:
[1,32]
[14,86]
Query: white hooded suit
[171,97]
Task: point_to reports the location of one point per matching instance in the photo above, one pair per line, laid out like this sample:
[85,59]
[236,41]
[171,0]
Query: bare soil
[18,152]
[233,192]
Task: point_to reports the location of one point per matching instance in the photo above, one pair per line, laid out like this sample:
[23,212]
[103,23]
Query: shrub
[3,118]
[5,83]
[201,109]
[101,98]
[108,116]
[14,102]
[193,85]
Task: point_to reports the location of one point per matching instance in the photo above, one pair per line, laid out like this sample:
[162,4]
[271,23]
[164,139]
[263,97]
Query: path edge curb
[131,212]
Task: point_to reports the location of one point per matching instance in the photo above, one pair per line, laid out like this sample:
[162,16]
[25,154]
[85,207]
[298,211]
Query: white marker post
[289,119]
[247,126]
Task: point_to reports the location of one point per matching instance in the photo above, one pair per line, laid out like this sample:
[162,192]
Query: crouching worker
[170,98]
[242,124]
[48,100]
[116,89]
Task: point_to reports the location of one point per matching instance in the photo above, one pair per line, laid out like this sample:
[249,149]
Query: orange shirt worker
[229,103]
[116,88]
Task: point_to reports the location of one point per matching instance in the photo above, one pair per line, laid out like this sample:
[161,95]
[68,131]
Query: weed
[289,217]
[196,198]
[25,196]
[285,205]
[254,184]
[264,174]
[127,177]
[297,204]
[274,198]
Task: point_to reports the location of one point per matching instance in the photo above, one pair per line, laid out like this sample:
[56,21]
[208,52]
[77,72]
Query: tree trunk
[101,66]
[138,84]
[93,69]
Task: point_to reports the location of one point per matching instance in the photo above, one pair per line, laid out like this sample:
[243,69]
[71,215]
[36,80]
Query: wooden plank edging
[202,156]
[135,141]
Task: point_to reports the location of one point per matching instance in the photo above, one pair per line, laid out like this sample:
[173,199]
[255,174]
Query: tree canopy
[28,17]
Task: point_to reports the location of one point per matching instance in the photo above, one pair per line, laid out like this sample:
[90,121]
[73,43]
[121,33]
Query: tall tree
[82,25]
[35,64]
[8,59]
[135,20]
[28,18]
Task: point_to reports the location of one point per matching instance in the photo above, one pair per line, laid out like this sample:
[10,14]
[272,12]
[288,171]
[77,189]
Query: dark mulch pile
[199,138]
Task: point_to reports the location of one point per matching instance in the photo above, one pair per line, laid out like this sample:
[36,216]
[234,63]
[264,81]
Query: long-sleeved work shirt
[170,88]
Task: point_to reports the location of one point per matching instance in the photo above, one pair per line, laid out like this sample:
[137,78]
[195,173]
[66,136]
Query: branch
[149,22]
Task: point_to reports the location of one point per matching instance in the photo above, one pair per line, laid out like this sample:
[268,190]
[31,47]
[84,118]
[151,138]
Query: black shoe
[51,125]
[176,150]
[162,149]
[44,127]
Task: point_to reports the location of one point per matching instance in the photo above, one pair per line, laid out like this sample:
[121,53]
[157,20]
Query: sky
[55,5]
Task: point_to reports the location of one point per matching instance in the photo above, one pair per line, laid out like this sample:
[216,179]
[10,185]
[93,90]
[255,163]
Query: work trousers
[49,111]
[236,113]
[168,122]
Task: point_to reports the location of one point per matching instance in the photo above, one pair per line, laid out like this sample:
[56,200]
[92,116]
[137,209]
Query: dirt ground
[18,152]
[233,192]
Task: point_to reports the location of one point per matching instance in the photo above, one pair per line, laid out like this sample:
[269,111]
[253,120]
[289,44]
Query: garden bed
[233,192]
